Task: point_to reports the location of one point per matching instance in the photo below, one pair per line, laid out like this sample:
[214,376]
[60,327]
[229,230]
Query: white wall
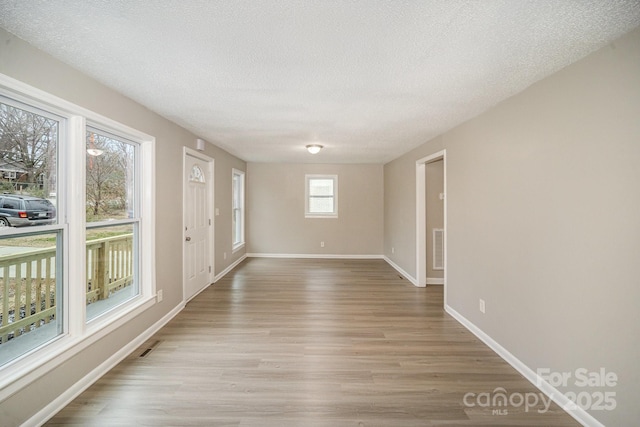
[544,221]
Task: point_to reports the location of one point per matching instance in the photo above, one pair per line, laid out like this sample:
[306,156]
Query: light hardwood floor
[282,342]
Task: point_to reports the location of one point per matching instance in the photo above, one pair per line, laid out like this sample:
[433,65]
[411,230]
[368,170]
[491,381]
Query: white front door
[197,260]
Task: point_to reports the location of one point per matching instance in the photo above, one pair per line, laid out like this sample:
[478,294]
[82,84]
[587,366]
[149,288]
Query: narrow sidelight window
[238,209]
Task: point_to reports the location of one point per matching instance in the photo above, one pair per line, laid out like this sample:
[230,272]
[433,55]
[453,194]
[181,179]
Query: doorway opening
[433,236]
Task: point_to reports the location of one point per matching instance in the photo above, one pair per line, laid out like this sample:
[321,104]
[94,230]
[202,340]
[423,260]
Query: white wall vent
[438,249]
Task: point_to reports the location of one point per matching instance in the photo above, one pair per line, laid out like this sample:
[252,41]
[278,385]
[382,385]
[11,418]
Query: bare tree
[108,165]
[28,140]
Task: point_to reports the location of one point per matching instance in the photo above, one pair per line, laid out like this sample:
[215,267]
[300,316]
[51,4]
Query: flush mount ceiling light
[314,148]
[94,152]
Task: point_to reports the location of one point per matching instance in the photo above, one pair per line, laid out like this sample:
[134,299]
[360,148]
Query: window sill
[237,247]
[116,317]
[23,371]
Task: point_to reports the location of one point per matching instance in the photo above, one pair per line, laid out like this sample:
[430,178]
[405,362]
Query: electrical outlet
[482,306]
[159,295]
[393,250]
[225,255]
[322,244]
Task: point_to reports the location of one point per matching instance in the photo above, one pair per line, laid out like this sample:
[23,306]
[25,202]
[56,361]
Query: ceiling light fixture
[94,152]
[314,148]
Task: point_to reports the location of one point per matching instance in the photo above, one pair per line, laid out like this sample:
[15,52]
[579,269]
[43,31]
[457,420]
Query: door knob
[188,239]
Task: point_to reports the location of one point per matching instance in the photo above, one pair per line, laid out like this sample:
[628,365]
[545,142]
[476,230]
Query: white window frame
[307,197]
[77,334]
[122,135]
[59,227]
[238,204]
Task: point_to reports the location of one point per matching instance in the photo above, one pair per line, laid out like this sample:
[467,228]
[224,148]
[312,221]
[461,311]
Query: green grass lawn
[48,240]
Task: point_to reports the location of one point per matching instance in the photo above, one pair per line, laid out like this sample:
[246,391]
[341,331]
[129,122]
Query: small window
[196,174]
[238,209]
[321,196]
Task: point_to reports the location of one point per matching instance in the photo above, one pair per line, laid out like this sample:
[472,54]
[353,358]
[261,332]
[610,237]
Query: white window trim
[308,214]
[239,245]
[77,334]
[124,133]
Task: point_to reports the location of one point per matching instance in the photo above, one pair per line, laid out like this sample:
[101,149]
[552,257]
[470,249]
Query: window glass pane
[30,293]
[28,166]
[321,195]
[196,174]
[236,226]
[321,187]
[110,178]
[237,207]
[236,191]
[321,204]
[111,267]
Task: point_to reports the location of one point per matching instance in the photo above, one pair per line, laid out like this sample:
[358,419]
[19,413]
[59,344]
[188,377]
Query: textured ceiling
[368,79]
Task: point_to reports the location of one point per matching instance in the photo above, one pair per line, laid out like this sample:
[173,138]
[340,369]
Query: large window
[321,196]
[238,209]
[76,227]
[30,235]
[112,221]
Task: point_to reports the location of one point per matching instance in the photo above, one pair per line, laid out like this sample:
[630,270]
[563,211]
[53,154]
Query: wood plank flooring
[282,342]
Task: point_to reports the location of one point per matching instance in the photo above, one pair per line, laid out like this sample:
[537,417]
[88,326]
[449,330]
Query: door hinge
[209,221]
[209,269]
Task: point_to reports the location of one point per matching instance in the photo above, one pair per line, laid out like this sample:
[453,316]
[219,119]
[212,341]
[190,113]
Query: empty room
[319,213]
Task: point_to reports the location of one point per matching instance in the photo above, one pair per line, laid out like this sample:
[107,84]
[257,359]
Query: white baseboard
[579,414]
[335,256]
[228,269]
[84,383]
[435,281]
[313,256]
[401,271]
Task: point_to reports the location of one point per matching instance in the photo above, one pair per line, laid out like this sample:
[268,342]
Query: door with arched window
[197,219]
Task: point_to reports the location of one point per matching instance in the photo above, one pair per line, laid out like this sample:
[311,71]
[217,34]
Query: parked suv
[17,210]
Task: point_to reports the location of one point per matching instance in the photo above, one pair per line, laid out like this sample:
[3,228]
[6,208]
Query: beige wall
[276,223]
[543,216]
[434,173]
[400,206]
[23,62]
